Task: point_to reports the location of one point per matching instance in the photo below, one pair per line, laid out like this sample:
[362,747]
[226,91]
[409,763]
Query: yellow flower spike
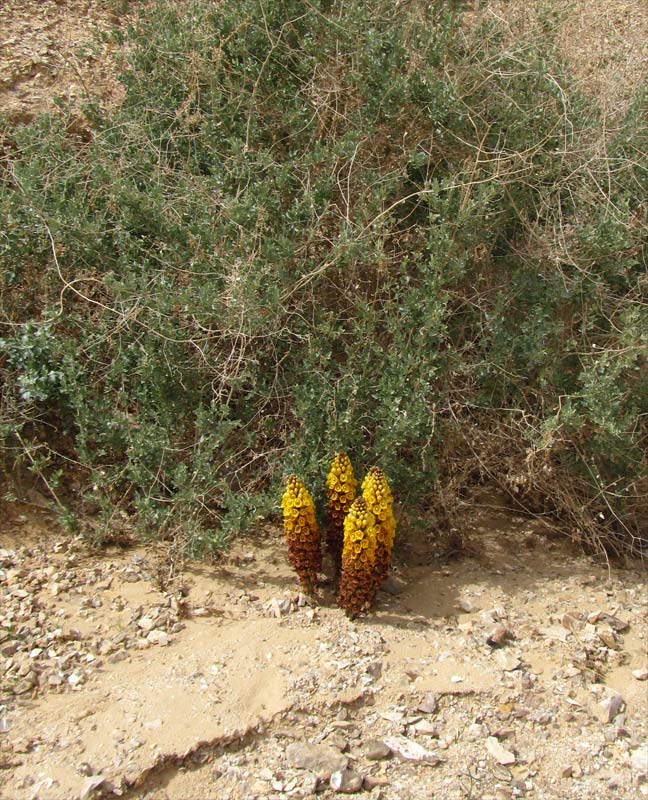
[341,487]
[378,497]
[358,556]
[302,533]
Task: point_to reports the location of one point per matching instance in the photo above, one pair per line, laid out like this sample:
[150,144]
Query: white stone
[499,753]
[639,760]
[409,750]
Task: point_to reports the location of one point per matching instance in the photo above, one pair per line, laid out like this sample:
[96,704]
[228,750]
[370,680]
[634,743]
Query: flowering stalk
[341,488]
[302,533]
[379,500]
[358,556]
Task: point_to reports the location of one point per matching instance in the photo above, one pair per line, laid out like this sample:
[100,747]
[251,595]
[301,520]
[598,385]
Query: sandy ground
[209,688]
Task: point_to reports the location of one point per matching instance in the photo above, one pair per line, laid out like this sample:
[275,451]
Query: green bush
[314,225]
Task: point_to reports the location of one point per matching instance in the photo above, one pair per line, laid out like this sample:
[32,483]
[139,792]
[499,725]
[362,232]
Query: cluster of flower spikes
[380,502]
[356,588]
[302,533]
[341,487]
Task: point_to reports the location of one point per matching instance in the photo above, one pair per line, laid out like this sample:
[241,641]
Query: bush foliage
[315,224]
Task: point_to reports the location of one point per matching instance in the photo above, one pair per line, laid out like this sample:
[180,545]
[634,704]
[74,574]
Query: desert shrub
[320,224]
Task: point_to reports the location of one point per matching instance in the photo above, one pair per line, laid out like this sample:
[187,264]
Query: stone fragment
[429,704]
[158,637]
[375,750]
[346,781]
[393,716]
[507,661]
[75,679]
[117,656]
[427,728]
[322,759]
[555,632]
[640,674]
[617,625]
[610,706]
[394,585]
[145,623]
[609,639]
[409,750]
[338,740]
[374,784]
[273,608]
[499,753]
[467,605]
[573,621]
[476,731]
[639,759]
[498,635]
[9,649]
[375,669]
[89,785]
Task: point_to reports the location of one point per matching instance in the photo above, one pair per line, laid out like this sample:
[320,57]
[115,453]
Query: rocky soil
[518,672]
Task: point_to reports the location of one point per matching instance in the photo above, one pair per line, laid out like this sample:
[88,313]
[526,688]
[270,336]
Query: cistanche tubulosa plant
[341,487]
[302,533]
[358,558]
[380,502]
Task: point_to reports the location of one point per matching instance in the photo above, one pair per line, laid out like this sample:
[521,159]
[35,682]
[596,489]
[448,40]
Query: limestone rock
[499,753]
[346,781]
[322,759]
